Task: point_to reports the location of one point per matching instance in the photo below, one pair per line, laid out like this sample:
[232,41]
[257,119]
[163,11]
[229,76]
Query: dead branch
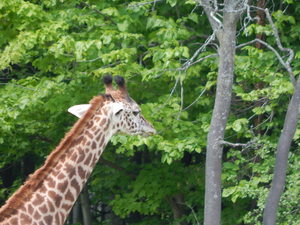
[239,145]
[286,65]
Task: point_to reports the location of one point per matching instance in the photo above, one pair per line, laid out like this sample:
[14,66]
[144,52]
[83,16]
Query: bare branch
[238,145]
[198,51]
[277,38]
[196,100]
[203,58]
[193,211]
[286,65]
[211,9]
[144,3]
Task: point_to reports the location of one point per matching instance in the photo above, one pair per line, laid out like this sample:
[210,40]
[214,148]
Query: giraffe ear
[79,110]
[117,108]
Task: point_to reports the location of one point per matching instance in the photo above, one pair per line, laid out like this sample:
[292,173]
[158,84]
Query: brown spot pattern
[48,220]
[70,170]
[38,200]
[81,155]
[81,172]
[57,218]
[43,209]
[94,145]
[25,219]
[58,200]
[36,215]
[50,181]
[66,207]
[98,137]
[63,186]
[103,121]
[52,194]
[93,162]
[51,207]
[69,196]
[84,141]
[74,156]
[90,124]
[30,209]
[14,221]
[61,176]
[88,159]
[78,140]
[75,185]
[89,134]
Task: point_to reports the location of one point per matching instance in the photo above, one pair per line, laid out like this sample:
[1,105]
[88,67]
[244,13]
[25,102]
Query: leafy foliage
[53,54]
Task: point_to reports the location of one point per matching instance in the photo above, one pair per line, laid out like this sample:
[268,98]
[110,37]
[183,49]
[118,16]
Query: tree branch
[143,3]
[283,63]
[211,11]
[238,145]
[287,63]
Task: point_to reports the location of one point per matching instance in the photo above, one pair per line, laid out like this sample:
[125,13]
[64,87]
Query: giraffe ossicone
[50,192]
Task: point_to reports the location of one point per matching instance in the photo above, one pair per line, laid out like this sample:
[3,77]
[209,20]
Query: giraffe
[50,192]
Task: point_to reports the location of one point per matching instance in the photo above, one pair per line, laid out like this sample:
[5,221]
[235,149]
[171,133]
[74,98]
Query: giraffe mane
[34,180]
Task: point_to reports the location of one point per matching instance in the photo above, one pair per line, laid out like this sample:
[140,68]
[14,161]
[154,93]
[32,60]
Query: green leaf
[172,2]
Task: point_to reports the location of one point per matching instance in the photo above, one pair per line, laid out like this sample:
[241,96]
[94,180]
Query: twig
[199,50]
[203,58]
[287,63]
[238,145]
[196,100]
[181,97]
[277,38]
[211,13]
[193,212]
[144,3]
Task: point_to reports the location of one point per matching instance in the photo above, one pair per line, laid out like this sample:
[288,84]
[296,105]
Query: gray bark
[85,206]
[76,213]
[227,39]
[284,143]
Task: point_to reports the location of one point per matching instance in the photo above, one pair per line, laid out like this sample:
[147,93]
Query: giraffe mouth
[149,132]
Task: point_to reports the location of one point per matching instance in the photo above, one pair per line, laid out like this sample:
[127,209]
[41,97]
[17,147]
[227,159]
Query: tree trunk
[76,213]
[85,206]
[260,15]
[213,168]
[285,140]
[176,203]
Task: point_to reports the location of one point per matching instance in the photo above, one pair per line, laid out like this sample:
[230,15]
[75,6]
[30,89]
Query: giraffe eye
[118,113]
[136,113]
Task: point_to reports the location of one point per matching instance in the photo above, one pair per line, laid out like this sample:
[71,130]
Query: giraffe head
[124,113]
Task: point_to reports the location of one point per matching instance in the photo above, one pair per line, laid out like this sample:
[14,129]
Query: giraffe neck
[54,196]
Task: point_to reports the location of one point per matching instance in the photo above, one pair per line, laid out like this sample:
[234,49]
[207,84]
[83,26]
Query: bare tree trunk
[226,34]
[227,40]
[176,203]
[76,213]
[260,15]
[85,206]
[285,140]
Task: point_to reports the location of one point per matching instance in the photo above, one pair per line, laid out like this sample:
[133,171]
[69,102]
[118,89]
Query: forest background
[52,56]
